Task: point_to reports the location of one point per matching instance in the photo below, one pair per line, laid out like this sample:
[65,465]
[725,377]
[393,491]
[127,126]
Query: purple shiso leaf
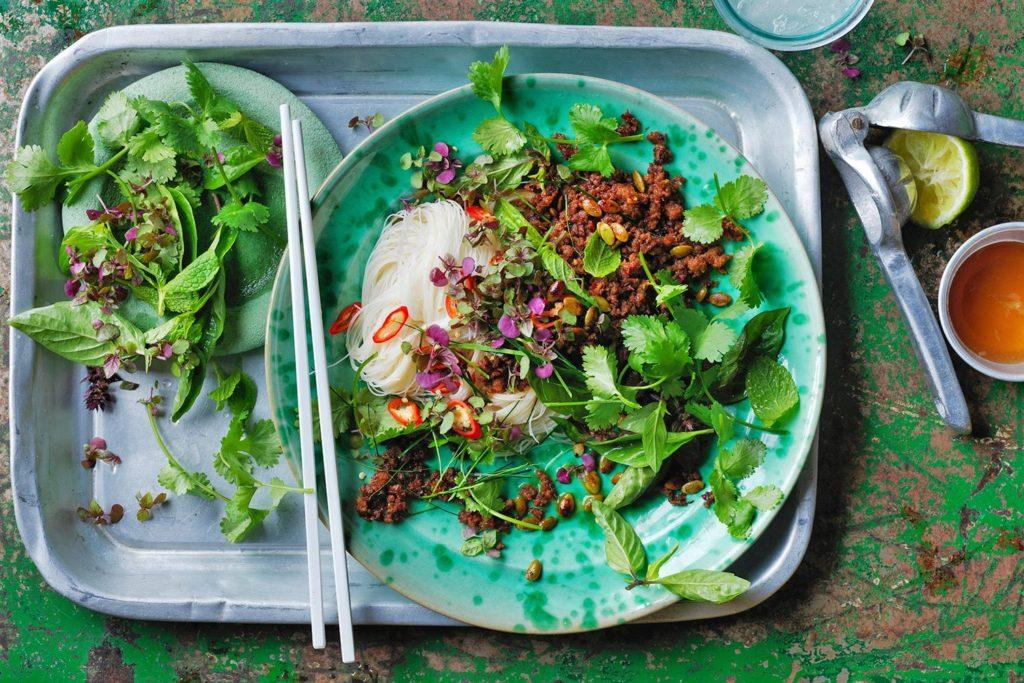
[98,443]
[131,234]
[438,278]
[563,476]
[498,343]
[277,140]
[438,335]
[589,462]
[441,148]
[71,287]
[492,552]
[429,380]
[93,214]
[446,176]
[111,365]
[507,326]
[274,159]
[536,305]
[542,335]
[544,371]
[514,432]
[468,266]
[851,72]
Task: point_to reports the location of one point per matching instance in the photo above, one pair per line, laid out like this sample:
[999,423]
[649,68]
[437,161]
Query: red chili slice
[344,319]
[479,213]
[465,424]
[392,325]
[469,283]
[405,411]
[544,325]
[451,307]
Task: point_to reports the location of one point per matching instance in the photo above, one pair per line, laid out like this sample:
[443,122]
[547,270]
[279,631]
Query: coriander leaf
[33,176]
[239,517]
[602,413]
[637,330]
[623,548]
[75,148]
[743,197]
[743,514]
[590,157]
[176,479]
[247,217]
[178,132]
[692,321]
[536,140]
[599,259]
[742,459]
[705,585]
[149,157]
[659,349]
[230,461]
[116,120]
[483,496]
[591,126]
[741,275]
[243,398]
[771,390]
[655,567]
[261,443]
[726,496]
[714,341]
[499,136]
[278,490]
[702,224]
[600,368]
[632,483]
[764,497]
[258,137]
[485,77]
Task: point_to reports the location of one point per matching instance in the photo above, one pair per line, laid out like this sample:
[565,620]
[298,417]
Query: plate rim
[814,304]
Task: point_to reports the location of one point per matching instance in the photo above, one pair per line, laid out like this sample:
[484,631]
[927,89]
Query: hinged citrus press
[884,194]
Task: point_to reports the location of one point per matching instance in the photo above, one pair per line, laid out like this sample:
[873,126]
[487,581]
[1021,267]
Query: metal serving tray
[176,566]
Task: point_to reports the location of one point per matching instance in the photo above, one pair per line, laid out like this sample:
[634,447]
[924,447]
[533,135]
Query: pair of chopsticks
[302,258]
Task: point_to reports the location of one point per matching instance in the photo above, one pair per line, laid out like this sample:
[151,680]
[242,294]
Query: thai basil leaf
[67,330]
[655,569]
[622,547]
[704,585]
[631,485]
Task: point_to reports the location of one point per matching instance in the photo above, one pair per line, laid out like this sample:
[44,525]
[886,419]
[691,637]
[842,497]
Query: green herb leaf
[659,349]
[592,158]
[623,549]
[716,417]
[764,497]
[148,156]
[600,368]
[602,413]
[226,386]
[742,459]
[499,136]
[714,341]
[34,177]
[655,568]
[902,38]
[239,517]
[176,479]
[66,330]
[116,120]
[741,275]
[247,217]
[185,289]
[599,259]
[763,335]
[654,436]
[703,224]
[76,146]
[472,546]
[771,390]
[705,585]
[629,450]
[591,126]
[632,483]
[485,77]
[743,197]
[536,141]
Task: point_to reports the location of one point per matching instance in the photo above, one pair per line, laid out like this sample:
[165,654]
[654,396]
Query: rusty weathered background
[915,566]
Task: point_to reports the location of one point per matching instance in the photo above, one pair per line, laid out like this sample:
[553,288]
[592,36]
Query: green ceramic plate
[420,557]
[254,259]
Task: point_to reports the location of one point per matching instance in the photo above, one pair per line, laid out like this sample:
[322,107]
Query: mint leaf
[771,390]
[742,459]
[705,585]
[599,259]
[185,290]
[590,157]
[116,120]
[485,77]
[591,126]
[714,341]
[623,549]
[225,388]
[703,224]
[203,94]
[499,136]
[743,197]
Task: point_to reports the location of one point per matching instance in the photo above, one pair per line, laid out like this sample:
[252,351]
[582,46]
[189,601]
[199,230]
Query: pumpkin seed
[701,293]
[591,316]
[566,504]
[534,571]
[602,303]
[720,299]
[592,482]
[692,487]
[578,448]
[605,465]
[620,232]
[591,207]
[681,250]
[638,181]
[520,504]
[605,232]
[572,304]
[548,524]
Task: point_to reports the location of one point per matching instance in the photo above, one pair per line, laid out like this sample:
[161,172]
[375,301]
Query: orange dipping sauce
[986,302]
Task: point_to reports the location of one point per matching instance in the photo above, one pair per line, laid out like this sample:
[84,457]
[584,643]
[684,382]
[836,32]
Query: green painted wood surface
[916,563]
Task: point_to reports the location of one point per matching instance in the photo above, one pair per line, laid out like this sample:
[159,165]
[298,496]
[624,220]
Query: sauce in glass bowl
[986,302]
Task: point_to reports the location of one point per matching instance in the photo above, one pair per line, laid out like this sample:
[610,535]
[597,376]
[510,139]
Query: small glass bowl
[792,24]
[1004,232]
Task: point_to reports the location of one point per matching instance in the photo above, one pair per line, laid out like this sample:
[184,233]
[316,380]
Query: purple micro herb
[536,305]
[841,45]
[438,335]
[95,451]
[563,476]
[589,461]
[851,72]
[544,371]
[468,266]
[507,326]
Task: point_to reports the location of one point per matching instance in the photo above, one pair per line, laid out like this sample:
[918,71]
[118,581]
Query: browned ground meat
[629,124]
[547,491]
[399,477]
[496,373]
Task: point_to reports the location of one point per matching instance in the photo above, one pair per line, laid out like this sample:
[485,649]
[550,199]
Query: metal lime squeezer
[884,194]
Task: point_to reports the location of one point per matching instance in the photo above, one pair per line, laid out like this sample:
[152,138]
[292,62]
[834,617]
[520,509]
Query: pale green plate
[253,260]
[420,557]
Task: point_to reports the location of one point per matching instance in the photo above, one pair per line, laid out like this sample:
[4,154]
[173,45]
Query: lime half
[945,170]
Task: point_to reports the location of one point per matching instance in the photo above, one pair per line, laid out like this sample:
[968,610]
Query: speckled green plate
[252,262]
[420,557]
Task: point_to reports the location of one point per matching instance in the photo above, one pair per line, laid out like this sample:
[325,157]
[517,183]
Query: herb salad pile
[600,303]
[148,243]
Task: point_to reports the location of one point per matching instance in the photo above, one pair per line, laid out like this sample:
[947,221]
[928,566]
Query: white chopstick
[323,394]
[316,606]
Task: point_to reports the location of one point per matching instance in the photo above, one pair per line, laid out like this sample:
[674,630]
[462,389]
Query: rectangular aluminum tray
[177,566]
